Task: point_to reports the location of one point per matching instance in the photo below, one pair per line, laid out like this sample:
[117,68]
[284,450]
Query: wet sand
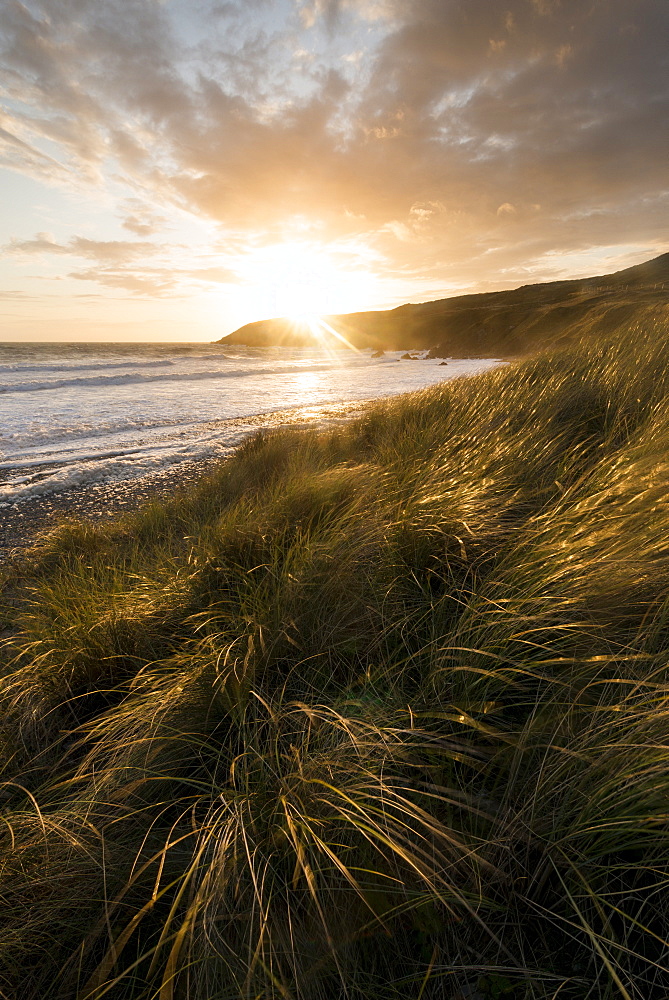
[21,522]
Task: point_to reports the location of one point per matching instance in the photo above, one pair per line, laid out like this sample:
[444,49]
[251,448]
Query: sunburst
[304,282]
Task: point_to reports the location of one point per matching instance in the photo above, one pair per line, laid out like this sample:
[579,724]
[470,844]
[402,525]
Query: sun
[303,282]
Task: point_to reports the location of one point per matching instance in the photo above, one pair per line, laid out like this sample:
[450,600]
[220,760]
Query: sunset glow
[303,281]
[334,384]
[172,171]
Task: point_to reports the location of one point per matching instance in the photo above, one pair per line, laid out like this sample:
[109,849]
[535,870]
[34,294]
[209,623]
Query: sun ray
[317,324]
[304,281]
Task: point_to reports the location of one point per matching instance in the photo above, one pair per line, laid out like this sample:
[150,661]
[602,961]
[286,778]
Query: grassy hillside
[374,713]
[497,323]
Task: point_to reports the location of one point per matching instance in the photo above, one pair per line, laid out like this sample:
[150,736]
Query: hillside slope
[377,712]
[503,323]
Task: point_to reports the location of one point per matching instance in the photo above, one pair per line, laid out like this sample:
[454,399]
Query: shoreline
[22,523]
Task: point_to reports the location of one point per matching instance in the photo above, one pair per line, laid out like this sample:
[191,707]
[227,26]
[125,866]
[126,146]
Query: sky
[173,169]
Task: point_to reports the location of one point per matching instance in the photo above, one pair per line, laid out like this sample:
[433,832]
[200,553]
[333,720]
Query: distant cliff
[493,323]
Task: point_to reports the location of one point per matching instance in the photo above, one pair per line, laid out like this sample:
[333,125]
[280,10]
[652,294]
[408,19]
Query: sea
[77,414]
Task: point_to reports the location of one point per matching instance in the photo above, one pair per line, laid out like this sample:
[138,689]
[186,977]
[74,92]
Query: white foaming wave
[41,475]
[139,378]
[36,439]
[66,368]
[132,463]
[163,430]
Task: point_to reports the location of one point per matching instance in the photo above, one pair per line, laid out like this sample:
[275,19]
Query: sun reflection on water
[309,380]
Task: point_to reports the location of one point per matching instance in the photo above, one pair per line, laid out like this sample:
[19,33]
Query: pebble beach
[23,522]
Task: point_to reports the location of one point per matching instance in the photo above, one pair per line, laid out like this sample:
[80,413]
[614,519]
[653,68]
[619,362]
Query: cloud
[110,251]
[103,251]
[138,267]
[18,154]
[155,281]
[41,243]
[484,110]
[15,295]
[140,218]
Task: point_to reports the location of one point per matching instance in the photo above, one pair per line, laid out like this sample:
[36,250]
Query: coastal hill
[491,324]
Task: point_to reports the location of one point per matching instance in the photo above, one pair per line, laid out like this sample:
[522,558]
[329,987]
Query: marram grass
[374,713]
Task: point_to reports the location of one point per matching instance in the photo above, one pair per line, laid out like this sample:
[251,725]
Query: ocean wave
[86,473]
[65,369]
[102,467]
[138,378]
[40,475]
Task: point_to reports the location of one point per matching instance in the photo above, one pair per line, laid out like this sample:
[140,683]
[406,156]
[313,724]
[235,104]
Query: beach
[94,430]
[22,522]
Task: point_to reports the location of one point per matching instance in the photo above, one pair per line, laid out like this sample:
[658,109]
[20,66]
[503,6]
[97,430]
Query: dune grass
[374,713]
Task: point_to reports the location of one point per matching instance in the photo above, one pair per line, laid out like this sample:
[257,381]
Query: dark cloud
[467,133]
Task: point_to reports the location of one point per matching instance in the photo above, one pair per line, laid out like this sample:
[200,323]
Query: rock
[377,354]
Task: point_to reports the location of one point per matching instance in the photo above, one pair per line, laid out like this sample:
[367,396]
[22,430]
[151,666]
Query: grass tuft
[376,712]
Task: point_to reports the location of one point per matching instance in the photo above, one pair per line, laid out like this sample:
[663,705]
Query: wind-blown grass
[379,712]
